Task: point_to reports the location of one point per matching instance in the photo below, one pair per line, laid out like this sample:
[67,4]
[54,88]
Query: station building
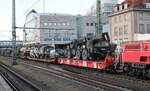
[55,28]
[130,21]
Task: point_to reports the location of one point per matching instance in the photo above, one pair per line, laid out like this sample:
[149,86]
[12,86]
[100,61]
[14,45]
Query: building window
[89,35]
[66,37]
[125,6]
[125,29]
[115,19]
[68,24]
[95,24]
[115,39]
[117,8]
[57,37]
[120,20]
[87,24]
[50,24]
[141,28]
[141,15]
[91,24]
[120,7]
[126,39]
[125,17]
[148,28]
[120,31]
[59,24]
[45,24]
[115,31]
[64,24]
[55,24]
[147,5]
[47,37]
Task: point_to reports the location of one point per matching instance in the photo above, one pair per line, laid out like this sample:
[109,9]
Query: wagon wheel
[69,53]
[85,54]
[65,53]
[147,73]
[73,52]
[78,54]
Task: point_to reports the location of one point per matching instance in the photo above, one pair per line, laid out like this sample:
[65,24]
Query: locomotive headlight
[83,46]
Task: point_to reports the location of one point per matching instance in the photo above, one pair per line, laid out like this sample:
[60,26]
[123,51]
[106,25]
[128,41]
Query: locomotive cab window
[101,44]
[143,58]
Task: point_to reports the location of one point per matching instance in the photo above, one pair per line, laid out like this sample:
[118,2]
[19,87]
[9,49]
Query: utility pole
[25,34]
[13,33]
[99,23]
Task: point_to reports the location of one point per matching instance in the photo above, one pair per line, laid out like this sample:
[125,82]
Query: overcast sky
[51,6]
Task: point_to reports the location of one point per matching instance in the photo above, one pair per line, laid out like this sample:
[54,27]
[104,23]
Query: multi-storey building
[86,26]
[45,28]
[50,28]
[106,9]
[130,20]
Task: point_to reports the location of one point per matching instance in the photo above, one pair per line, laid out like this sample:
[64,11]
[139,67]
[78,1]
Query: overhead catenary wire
[45,28]
[22,16]
[28,10]
[3,35]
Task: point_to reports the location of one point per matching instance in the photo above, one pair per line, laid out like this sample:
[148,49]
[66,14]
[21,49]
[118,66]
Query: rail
[9,82]
[11,77]
[89,81]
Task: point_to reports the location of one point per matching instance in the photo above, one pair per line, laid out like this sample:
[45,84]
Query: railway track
[86,80]
[16,81]
[13,87]
[100,80]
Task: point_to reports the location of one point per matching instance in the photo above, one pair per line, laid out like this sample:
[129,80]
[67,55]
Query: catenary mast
[99,24]
[13,33]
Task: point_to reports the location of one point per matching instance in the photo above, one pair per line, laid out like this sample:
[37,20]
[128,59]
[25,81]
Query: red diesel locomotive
[135,58]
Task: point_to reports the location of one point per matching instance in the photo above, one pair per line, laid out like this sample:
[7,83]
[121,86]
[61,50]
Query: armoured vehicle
[91,48]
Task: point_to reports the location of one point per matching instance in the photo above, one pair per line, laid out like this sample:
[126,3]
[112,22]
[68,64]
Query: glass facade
[9,43]
[107,5]
[56,35]
[31,22]
[56,28]
[79,26]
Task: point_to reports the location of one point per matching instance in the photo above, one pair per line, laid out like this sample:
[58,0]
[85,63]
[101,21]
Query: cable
[45,28]
[27,11]
[3,35]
